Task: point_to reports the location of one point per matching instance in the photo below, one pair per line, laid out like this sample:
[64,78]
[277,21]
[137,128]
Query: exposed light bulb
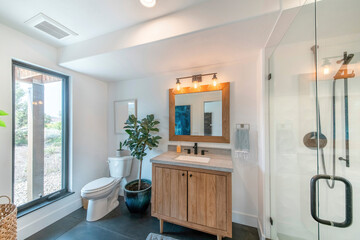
[195,84]
[148,3]
[326,66]
[178,85]
[214,79]
[326,70]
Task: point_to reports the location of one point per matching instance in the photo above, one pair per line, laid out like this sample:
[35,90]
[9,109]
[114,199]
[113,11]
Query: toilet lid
[98,184]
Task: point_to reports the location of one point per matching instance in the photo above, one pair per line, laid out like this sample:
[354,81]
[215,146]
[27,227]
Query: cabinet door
[207,199]
[171,193]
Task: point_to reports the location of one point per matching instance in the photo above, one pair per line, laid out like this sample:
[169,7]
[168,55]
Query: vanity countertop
[217,162]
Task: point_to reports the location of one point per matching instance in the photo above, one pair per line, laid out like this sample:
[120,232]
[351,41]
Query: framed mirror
[201,114]
[122,110]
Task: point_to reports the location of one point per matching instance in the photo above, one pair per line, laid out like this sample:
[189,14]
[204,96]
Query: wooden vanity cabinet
[191,197]
[171,193]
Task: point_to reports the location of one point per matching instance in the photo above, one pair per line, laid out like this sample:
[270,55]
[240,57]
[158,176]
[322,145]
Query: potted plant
[137,193]
[121,152]
[2,123]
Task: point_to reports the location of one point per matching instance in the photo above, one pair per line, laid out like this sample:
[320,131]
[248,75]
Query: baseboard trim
[260,231]
[245,219]
[40,223]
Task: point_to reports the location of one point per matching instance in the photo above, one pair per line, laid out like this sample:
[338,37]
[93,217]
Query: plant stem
[143,150]
[140,162]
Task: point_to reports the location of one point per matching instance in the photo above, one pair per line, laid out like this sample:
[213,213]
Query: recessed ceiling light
[148,3]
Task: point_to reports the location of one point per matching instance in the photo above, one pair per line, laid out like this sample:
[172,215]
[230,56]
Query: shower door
[338,90]
[314,124]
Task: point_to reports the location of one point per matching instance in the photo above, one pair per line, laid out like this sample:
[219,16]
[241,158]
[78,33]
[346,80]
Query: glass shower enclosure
[314,124]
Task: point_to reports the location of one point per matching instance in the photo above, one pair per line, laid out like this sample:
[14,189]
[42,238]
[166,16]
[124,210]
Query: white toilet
[103,193]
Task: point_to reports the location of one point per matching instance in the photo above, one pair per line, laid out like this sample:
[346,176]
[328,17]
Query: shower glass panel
[292,115]
[338,38]
[314,130]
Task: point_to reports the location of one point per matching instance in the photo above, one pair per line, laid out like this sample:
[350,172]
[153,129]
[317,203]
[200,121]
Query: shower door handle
[348,200]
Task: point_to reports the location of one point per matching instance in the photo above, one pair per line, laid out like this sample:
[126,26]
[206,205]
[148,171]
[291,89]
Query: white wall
[89,126]
[152,95]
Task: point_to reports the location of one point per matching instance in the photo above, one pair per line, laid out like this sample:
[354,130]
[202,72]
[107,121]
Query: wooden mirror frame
[225,91]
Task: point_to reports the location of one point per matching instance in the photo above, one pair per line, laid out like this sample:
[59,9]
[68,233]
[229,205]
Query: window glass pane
[38,135]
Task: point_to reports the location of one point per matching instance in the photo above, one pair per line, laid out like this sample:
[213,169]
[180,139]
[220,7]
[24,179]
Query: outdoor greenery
[21,116]
[52,149]
[53,128]
[2,123]
[140,138]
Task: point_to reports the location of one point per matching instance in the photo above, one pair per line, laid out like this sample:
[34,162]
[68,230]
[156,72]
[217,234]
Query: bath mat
[153,236]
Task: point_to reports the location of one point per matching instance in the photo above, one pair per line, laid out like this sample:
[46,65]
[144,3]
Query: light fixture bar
[196,80]
[207,74]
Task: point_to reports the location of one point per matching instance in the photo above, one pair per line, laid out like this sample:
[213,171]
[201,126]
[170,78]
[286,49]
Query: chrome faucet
[195,147]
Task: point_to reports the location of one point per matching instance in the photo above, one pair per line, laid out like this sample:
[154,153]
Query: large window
[40,142]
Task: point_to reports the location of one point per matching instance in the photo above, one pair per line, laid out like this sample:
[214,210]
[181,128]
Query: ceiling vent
[49,26]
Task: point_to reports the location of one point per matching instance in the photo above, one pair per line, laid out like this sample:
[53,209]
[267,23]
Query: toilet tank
[120,166]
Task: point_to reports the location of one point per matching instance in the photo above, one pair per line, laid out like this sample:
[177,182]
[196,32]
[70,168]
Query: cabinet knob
[183,174]
[190,175]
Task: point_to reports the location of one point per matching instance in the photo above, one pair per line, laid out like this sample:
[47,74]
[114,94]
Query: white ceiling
[214,46]
[121,39]
[88,18]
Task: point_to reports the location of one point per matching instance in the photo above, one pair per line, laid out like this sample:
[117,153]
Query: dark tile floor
[120,224]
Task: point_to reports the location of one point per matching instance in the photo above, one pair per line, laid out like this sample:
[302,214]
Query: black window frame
[65,191]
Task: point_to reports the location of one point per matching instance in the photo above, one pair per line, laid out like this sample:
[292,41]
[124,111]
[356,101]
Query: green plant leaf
[2,124]
[140,138]
[2,113]
[150,117]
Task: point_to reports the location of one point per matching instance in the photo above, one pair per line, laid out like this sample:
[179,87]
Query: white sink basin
[192,159]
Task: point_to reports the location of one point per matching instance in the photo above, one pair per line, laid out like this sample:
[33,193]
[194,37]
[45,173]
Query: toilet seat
[98,185]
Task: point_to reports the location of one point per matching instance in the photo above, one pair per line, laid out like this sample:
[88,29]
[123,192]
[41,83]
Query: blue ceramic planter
[137,201]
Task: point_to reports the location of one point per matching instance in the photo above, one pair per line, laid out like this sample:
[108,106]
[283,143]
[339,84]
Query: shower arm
[342,73]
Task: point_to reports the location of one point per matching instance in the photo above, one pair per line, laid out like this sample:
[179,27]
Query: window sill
[41,205]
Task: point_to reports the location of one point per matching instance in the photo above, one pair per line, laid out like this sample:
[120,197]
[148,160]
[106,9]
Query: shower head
[343,73]
[347,58]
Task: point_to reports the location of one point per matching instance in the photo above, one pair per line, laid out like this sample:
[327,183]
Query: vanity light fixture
[326,70]
[148,3]
[196,80]
[178,84]
[326,67]
[214,79]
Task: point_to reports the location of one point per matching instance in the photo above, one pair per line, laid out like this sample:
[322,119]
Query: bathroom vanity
[193,191]
[189,188]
